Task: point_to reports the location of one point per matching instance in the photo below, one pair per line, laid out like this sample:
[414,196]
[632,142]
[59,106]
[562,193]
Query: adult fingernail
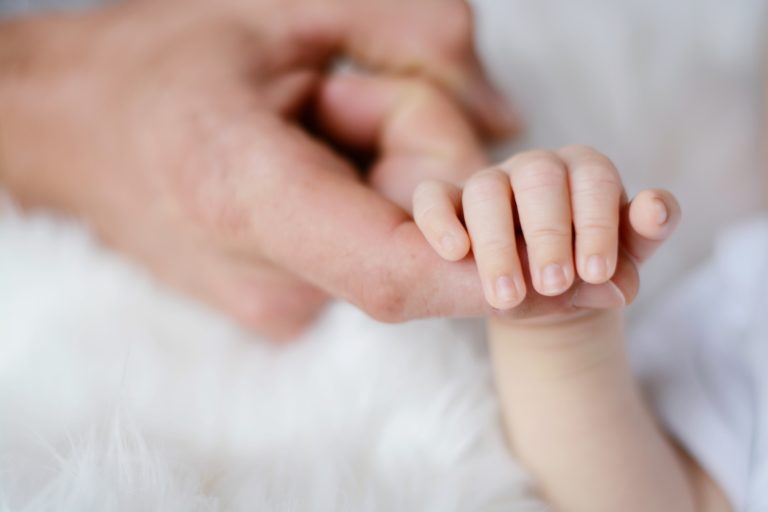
[597,268]
[598,296]
[662,214]
[507,290]
[553,279]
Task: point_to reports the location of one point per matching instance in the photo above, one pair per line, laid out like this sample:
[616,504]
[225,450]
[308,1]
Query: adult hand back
[176,130]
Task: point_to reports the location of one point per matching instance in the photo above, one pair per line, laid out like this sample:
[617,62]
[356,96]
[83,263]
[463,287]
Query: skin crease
[172,131]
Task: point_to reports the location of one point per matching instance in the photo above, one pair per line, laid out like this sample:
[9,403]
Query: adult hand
[176,130]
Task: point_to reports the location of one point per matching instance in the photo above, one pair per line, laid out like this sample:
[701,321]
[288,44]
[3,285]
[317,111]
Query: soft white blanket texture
[118,395]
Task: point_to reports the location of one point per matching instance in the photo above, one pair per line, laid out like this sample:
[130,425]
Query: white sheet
[702,355]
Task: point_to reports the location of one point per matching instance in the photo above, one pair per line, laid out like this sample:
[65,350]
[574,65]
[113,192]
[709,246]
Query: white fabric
[702,356]
[116,395]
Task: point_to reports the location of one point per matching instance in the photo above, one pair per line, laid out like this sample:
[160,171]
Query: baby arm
[575,419]
[573,415]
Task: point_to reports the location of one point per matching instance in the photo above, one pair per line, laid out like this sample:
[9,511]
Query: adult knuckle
[382,298]
[213,207]
[231,220]
[207,183]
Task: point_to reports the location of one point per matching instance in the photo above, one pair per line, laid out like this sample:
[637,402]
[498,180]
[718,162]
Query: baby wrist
[563,348]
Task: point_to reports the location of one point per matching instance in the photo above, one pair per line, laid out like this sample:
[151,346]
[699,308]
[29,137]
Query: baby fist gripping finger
[575,189]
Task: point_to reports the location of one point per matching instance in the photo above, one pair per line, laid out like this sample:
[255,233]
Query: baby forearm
[575,418]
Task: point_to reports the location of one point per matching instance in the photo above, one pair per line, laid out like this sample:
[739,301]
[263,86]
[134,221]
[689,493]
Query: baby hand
[558,221]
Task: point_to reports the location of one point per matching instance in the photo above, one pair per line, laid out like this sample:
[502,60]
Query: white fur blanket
[116,394]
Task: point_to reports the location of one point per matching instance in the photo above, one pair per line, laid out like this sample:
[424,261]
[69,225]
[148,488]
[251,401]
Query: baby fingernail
[506,289]
[598,296]
[662,214]
[597,268]
[553,278]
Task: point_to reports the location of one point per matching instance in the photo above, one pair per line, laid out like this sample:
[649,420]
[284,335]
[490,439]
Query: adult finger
[302,208]
[403,37]
[416,131]
[271,301]
[406,37]
[268,300]
[427,38]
